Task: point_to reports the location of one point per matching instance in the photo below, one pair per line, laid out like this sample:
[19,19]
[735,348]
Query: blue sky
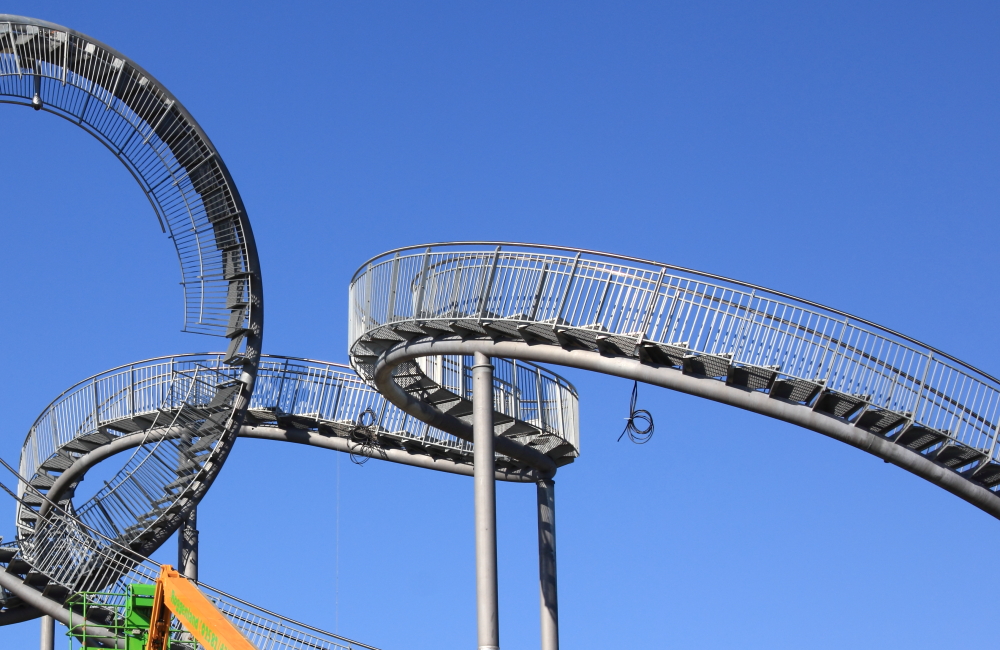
[847,154]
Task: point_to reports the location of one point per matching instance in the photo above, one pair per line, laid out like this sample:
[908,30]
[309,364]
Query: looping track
[416,317]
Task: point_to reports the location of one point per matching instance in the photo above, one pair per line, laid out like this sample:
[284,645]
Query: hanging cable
[365,436]
[639,423]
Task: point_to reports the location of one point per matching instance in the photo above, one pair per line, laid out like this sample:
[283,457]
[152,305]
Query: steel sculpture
[176,418]
[58,70]
[709,336]
[55,69]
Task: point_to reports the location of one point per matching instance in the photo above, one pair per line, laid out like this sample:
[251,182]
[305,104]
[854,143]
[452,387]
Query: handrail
[676,313]
[75,76]
[681,269]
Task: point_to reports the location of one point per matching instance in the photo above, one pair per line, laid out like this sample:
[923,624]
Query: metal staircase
[197,410]
[722,339]
[59,70]
[79,576]
[166,413]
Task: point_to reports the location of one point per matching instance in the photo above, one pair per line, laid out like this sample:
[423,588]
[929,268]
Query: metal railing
[82,560]
[143,125]
[175,395]
[632,301]
[154,391]
[521,389]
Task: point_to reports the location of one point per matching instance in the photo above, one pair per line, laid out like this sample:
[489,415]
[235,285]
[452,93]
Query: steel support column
[48,634]
[187,546]
[547,564]
[487,598]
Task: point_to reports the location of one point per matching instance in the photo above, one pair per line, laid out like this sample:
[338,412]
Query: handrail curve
[753,339]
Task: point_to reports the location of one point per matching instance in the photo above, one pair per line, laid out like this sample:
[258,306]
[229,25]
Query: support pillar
[187,547]
[48,635]
[547,564]
[487,598]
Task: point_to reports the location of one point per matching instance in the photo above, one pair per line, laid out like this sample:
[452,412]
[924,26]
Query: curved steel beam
[673,379]
[38,605]
[78,470]
[313,439]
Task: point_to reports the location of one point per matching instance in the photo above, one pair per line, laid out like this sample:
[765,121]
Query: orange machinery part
[178,595]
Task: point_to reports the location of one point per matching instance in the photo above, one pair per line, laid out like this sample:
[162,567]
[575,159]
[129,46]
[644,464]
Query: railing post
[419,307]
[487,597]
[538,398]
[648,316]
[97,404]
[569,285]
[484,296]
[547,585]
[390,310]
[131,391]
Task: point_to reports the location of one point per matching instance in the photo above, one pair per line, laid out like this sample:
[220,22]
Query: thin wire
[336,598]
[637,433]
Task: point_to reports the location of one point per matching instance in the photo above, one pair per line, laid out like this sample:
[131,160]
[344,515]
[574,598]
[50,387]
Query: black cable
[639,434]
[365,436]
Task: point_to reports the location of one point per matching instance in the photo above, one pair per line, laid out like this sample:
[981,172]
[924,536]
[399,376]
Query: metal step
[707,365]
[919,438]
[181,482]
[42,481]
[223,395]
[988,474]
[18,566]
[204,444]
[794,390]
[752,377]
[35,579]
[954,456]
[664,355]
[89,442]
[839,405]
[57,463]
[880,421]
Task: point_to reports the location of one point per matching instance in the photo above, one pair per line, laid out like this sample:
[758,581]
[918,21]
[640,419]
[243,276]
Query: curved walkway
[296,400]
[721,339]
[58,70]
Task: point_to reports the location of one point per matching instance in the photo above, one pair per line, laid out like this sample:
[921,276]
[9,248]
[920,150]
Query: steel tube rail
[882,385]
[487,591]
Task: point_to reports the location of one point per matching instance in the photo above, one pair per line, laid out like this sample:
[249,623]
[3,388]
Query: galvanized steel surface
[676,317]
[159,142]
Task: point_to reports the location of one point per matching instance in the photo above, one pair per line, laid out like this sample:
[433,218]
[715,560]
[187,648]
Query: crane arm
[177,595]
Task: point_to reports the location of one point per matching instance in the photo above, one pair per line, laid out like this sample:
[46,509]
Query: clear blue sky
[846,154]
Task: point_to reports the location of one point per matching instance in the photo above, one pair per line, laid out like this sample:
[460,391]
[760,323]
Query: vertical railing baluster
[569,284]
[419,307]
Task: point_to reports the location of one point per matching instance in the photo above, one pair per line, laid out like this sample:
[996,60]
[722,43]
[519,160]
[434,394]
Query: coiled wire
[639,423]
[365,437]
